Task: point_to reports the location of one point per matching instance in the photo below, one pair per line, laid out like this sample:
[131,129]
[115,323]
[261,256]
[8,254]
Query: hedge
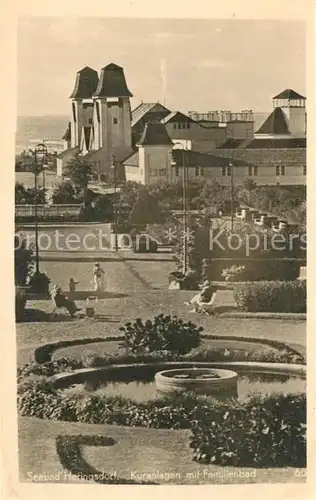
[263,432]
[277,296]
[257,269]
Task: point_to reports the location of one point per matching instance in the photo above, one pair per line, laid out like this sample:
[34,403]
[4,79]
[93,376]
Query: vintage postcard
[160,248]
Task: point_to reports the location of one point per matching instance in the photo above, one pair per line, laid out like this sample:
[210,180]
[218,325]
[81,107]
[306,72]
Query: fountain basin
[211,381]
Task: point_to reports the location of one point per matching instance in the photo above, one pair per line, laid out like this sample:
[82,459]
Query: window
[223,171]
[304,170]
[188,125]
[252,171]
[229,171]
[177,171]
[115,121]
[175,125]
[98,112]
[282,170]
[155,172]
[197,171]
[90,121]
[201,170]
[277,170]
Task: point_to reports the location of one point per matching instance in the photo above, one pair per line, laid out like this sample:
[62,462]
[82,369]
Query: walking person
[98,278]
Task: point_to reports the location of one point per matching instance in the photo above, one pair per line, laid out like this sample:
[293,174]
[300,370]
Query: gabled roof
[86,83]
[67,134]
[112,82]
[274,124]
[289,94]
[176,116]
[145,107]
[155,134]
[132,160]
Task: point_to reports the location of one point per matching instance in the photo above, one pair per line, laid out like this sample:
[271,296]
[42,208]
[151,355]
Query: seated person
[203,298]
[61,300]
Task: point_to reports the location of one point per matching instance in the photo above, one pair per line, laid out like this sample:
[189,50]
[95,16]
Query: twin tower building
[100,126]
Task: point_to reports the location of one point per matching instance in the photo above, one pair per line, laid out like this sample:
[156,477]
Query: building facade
[101,119]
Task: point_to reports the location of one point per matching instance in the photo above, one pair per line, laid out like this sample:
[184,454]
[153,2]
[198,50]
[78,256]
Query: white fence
[42,210]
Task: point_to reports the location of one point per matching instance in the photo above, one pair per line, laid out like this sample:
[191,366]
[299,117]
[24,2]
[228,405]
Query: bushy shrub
[263,432]
[20,303]
[233,273]
[163,333]
[39,283]
[259,269]
[277,296]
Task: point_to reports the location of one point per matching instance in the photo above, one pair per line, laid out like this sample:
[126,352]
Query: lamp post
[231,167]
[114,206]
[184,163]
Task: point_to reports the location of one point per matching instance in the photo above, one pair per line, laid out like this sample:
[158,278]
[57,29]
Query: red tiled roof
[289,94]
[86,83]
[112,83]
[155,134]
[274,124]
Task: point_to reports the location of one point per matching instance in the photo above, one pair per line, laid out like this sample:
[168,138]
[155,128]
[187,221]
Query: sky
[186,64]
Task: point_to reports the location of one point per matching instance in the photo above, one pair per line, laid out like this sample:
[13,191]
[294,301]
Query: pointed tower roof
[289,94]
[86,83]
[274,124]
[67,134]
[112,82]
[155,134]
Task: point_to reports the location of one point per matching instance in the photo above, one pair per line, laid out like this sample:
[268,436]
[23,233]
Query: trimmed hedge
[263,432]
[259,269]
[277,296]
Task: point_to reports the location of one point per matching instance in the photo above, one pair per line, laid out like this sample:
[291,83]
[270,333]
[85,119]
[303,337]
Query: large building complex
[103,128]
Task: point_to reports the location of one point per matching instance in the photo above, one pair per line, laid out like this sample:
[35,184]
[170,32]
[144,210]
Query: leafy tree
[103,208]
[79,171]
[146,210]
[64,193]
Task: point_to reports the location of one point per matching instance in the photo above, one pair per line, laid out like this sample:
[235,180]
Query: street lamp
[36,159]
[113,166]
[184,164]
[231,168]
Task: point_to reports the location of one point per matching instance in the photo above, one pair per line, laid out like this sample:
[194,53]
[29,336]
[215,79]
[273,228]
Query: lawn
[135,451]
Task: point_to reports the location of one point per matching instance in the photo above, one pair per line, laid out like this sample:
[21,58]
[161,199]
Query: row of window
[159,172]
[199,171]
[182,126]
[253,171]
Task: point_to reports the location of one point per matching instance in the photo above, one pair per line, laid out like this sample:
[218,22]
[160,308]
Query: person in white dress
[98,278]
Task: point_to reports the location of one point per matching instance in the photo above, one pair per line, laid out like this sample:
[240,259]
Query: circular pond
[137,382]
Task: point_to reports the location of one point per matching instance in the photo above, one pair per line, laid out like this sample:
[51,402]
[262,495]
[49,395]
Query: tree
[23,260]
[20,194]
[146,210]
[79,171]
[64,193]
[103,208]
